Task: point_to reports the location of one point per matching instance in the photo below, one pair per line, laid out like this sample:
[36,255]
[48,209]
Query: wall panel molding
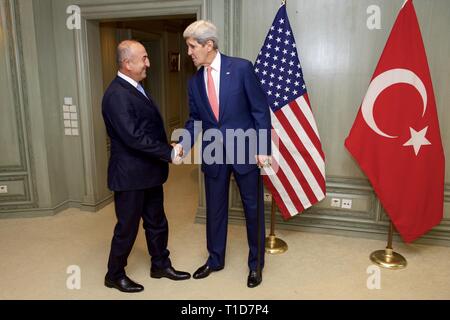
[232,27]
[237,18]
[145,9]
[207,10]
[10,28]
[19,191]
[23,171]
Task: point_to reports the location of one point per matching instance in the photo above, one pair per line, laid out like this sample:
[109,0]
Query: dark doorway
[170,66]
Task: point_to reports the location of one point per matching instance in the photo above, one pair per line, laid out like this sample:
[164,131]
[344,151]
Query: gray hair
[124,51]
[202,31]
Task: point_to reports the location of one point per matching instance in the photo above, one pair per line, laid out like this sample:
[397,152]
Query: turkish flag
[395,137]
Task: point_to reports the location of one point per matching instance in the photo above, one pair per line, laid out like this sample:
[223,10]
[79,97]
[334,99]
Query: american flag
[299,181]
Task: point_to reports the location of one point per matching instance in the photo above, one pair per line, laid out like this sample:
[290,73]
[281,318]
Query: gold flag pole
[274,245]
[388,258]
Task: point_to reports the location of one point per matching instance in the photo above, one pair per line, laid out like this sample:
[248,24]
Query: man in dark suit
[225,96]
[138,167]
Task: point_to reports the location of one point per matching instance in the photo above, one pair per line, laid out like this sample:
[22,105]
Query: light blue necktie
[141,90]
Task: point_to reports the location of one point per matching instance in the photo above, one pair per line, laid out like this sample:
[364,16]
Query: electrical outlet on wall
[267,197]
[336,202]
[346,203]
[3,189]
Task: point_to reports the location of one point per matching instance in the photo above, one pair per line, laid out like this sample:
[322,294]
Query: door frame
[96,194]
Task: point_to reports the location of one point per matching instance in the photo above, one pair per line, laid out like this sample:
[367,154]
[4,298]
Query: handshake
[177,153]
[262,161]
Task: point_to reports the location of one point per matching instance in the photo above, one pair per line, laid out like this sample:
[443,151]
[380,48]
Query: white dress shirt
[215,72]
[127,79]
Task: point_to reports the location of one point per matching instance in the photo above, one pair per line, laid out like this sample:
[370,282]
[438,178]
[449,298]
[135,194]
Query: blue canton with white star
[278,66]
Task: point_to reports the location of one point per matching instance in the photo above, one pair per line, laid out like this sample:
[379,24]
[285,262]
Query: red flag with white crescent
[396,138]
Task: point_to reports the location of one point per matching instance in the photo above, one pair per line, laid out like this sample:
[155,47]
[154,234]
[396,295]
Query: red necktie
[212,96]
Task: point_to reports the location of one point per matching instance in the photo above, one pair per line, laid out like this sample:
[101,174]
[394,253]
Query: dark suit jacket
[139,149]
[242,105]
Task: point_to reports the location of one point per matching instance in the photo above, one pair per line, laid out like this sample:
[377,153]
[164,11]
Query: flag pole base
[275,245]
[388,259]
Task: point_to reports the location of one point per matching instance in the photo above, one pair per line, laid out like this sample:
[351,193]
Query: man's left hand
[263,161]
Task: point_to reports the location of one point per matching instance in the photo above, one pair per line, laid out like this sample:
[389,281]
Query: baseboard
[45,212]
[94,207]
[434,237]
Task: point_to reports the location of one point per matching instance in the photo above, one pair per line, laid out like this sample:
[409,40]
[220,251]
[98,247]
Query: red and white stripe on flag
[297,180]
[297,176]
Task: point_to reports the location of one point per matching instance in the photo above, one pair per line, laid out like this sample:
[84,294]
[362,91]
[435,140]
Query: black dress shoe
[204,271]
[124,284]
[170,273]
[254,279]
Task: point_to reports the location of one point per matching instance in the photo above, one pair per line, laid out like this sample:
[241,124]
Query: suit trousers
[217,192]
[130,207]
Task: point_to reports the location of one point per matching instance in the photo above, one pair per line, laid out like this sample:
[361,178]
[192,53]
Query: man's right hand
[177,154]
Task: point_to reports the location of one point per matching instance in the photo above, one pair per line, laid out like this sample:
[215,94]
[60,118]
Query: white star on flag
[299,181]
[417,139]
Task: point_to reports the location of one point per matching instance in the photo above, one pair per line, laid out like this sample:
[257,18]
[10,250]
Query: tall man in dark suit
[225,95]
[138,167]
